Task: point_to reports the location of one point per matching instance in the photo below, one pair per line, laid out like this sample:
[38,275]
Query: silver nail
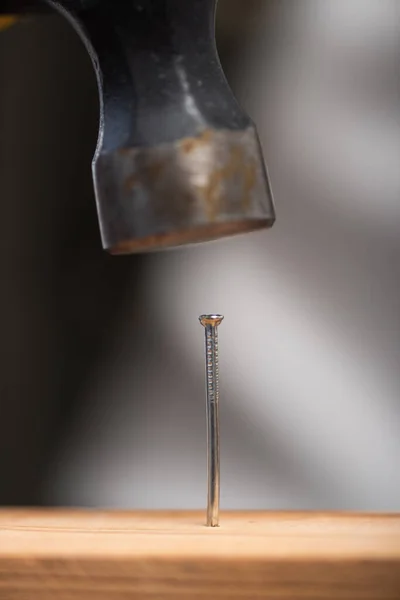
[211,322]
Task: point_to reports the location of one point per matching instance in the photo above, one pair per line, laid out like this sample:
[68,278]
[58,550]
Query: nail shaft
[211,322]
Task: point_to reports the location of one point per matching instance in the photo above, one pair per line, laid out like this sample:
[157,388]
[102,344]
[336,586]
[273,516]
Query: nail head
[213,320]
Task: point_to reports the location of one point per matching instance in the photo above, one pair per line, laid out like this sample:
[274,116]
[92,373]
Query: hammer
[177,160]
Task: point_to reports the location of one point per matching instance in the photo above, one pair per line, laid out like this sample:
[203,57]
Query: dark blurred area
[102,380]
[61,292]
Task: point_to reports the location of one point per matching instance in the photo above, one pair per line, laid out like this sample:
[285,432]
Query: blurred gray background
[102,373]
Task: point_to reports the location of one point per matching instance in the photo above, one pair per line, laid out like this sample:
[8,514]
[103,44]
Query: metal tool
[177,160]
[211,322]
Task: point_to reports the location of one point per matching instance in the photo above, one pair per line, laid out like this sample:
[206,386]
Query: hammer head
[177,161]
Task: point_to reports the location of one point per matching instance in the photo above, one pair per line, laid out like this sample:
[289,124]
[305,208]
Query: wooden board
[101,555]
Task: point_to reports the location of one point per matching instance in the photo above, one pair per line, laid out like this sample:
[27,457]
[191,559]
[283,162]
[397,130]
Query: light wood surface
[88,555]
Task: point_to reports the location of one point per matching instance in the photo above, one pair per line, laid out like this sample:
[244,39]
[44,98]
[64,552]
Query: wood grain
[102,555]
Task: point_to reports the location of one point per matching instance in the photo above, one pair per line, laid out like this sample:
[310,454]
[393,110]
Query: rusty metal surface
[196,189]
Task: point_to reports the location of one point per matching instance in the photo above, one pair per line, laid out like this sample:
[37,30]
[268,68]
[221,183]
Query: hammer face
[192,190]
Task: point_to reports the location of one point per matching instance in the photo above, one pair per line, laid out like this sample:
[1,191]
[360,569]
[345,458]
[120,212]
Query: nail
[211,322]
